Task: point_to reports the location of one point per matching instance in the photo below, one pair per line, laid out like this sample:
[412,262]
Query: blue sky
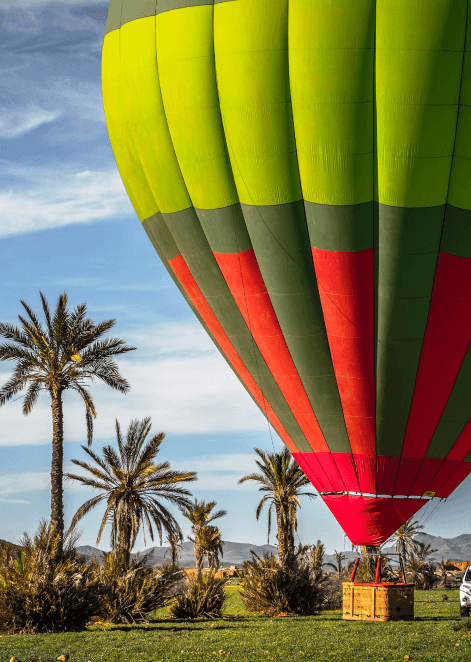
[66,224]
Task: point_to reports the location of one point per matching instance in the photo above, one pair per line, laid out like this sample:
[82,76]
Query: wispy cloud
[14,123]
[177,376]
[33,481]
[28,481]
[56,199]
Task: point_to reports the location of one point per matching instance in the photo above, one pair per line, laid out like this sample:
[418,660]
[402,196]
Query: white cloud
[28,481]
[16,122]
[33,481]
[177,377]
[57,199]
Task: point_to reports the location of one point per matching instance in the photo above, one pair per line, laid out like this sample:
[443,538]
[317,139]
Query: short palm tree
[443,568]
[404,538]
[207,543]
[65,354]
[282,480]
[313,557]
[339,558]
[133,487]
[215,547]
[421,568]
[175,543]
[200,515]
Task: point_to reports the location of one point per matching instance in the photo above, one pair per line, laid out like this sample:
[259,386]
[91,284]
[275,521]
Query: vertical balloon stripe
[245,282]
[408,242]
[185,53]
[281,244]
[251,50]
[119,131]
[419,55]
[331,79]
[446,340]
[459,194]
[146,117]
[347,294]
[331,54]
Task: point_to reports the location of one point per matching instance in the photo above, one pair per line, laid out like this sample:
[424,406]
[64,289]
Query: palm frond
[32,394]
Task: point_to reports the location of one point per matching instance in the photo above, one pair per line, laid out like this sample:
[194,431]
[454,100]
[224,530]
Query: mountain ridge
[235,553]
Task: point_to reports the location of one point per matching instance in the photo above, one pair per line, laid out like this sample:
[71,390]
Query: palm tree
[66,354]
[421,568]
[215,548]
[443,568]
[404,538]
[174,540]
[200,516]
[313,557]
[133,487]
[339,558]
[282,480]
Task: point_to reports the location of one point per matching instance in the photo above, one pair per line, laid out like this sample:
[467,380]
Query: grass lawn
[244,637]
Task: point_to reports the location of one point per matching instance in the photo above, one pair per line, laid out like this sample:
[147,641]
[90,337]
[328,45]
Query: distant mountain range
[234,553]
[454,549]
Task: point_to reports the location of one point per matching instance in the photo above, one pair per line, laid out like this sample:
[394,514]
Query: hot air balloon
[303,170]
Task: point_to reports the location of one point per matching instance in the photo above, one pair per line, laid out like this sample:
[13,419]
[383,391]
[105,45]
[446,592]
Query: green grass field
[245,637]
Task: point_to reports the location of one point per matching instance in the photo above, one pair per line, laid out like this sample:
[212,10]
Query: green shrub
[203,598]
[38,594]
[132,592]
[269,589]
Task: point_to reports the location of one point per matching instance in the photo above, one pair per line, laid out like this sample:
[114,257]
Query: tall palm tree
[200,514]
[282,480]
[133,487]
[65,354]
[404,538]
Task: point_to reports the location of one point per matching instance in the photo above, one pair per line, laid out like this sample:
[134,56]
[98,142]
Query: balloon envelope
[303,169]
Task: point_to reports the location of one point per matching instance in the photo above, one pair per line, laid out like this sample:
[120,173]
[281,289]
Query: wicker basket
[378,602]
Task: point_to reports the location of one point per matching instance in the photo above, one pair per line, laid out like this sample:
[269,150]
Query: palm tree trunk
[57,466]
[199,563]
[282,539]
